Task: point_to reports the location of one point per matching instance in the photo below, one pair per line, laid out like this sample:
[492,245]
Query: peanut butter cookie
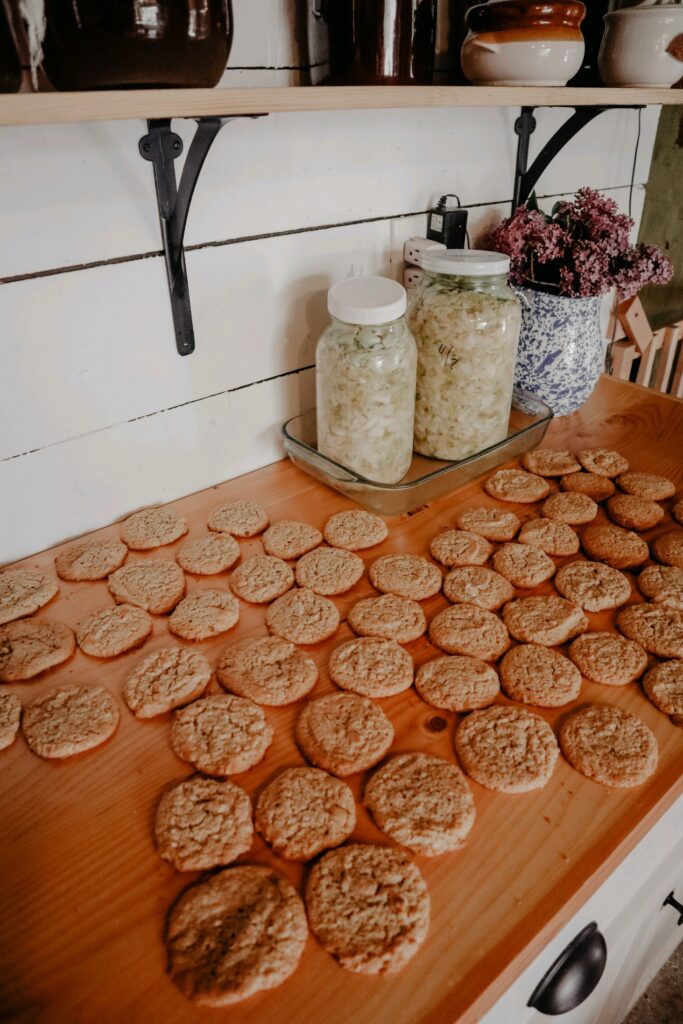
[677,511]
[23,592]
[203,614]
[491,523]
[111,631]
[663,584]
[289,538]
[31,646]
[166,680]
[550,536]
[592,585]
[570,507]
[602,461]
[329,570]
[668,548]
[608,658]
[544,620]
[458,547]
[507,749]
[664,686]
[343,733]
[539,675]
[152,528]
[647,485]
[517,485]
[634,513]
[406,575]
[208,555]
[69,721]
[303,617]
[155,584]
[377,935]
[655,627]
[239,932]
[523,565]
[267,670]
[548,462]
[221,735]
[202,824]
[240,518]
[596,487]
[355,530]
[261,579]
[371,666]
[388,616]
[609,745]
[304,811]
[10,717]
[457,683]
[477,585]
[422,802]
[91,559]
[622,549]
[465,629]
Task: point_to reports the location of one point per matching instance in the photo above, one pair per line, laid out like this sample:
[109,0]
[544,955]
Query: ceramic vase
[560,354]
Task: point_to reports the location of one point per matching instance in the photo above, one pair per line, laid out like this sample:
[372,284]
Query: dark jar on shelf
[380,42]
[110,44]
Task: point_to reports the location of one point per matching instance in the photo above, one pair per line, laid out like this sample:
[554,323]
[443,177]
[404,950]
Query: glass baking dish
[427,479]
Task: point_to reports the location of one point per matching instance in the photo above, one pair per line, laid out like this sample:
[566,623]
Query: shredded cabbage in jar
[467,345]
[365,383]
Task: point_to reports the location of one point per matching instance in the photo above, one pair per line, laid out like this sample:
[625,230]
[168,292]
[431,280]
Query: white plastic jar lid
[366,300]
[466,262]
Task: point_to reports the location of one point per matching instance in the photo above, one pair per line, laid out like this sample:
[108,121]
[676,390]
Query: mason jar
[465,320]
[366,363]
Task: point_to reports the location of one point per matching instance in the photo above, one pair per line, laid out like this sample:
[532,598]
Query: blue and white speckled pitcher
[560,354]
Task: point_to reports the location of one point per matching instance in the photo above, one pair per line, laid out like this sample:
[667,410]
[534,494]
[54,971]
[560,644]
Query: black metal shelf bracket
[162,146]
[526,177]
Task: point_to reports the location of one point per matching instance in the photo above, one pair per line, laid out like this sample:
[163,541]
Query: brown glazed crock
[526,19]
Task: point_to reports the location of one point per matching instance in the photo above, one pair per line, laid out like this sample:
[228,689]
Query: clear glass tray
[427,479]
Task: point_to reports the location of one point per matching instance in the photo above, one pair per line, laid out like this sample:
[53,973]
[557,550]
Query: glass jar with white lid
[366,363]
[465,320]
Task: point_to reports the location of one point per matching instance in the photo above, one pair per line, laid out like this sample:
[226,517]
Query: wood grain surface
[111,104]
[84,895]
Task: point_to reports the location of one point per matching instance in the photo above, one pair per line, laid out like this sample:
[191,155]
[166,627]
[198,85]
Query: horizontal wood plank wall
[99,415]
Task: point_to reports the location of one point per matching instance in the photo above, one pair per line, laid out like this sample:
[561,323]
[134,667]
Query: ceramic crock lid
[503,15]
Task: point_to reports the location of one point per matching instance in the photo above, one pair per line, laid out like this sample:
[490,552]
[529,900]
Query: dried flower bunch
[582,248]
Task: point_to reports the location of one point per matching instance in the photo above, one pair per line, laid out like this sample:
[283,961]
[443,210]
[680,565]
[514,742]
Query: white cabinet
[640,933]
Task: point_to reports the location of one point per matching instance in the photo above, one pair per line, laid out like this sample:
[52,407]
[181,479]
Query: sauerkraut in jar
[466,322]
[366,363]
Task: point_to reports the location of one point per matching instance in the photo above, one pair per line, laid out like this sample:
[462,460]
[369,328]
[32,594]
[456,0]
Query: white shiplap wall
[99,415]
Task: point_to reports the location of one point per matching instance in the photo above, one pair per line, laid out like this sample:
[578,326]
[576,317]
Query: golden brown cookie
[165,680]
[303,617]
[458,547]
[677,511]
[655,627]
[155,584]
[457,683]
[239,932]
[304,811]
[203,614]
[507,749]
[388,616]
[608,658]
[523,565]
[208,555]
[10,717]
[406,575]
[111,631]
[516,485]
[647,485]
[422,802]
[550,536]
[609,745]
[491,523]
[570,507]
[668,548]
[91,559]
[544,620]
[69,721]
[152,528]
[664,686]
[622,549]
[592,585]
[261,579]
[267,670]
[355,530]
[240,518]
[596,487]
[548,462]
[465,629]
[221,735]
[663,584]
[371,666]
[634,513]
[31,646]
[329,570]
[539,675]
[602,461]
[477,585]
[203,823]
[289,538]
[343,733]
[369,934]
[23,592]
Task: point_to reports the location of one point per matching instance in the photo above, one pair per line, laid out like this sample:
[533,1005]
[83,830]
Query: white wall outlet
[415,248]
[411,276]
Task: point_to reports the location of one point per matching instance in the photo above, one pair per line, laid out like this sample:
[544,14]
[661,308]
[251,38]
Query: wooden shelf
[64,107]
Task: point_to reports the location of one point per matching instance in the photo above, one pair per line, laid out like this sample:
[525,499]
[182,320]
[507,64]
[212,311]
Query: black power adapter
[447,222]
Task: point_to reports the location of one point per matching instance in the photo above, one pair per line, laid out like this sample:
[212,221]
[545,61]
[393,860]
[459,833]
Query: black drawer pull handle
[671,902]
[574,975]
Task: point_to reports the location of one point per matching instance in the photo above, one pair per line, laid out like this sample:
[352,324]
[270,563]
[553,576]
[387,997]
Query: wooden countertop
[83,895]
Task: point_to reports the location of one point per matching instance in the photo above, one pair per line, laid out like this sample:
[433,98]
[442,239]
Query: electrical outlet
[411,276]
[415,248]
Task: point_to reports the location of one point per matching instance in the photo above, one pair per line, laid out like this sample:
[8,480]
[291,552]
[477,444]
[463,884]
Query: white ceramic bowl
[524,62]
[633,51]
